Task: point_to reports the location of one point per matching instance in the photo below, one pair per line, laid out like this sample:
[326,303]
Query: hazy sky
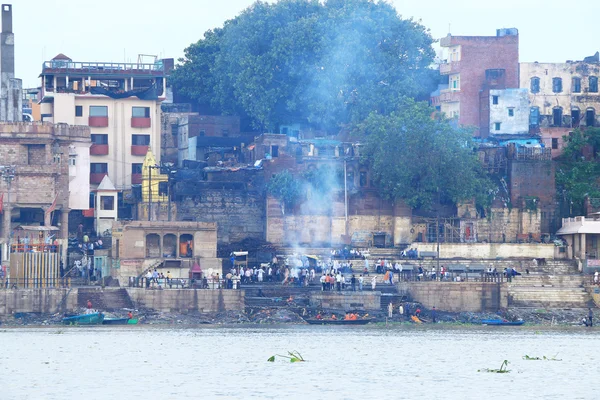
[111,30]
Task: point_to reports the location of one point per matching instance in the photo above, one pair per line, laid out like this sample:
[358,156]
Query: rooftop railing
[101,67]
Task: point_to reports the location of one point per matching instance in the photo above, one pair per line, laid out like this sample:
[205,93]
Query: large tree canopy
[325,64]
[417,158]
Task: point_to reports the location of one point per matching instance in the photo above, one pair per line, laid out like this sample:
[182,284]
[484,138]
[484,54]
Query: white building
[509,111]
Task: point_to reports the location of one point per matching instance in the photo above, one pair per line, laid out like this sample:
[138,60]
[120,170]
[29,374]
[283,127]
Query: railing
[28,283]
[102,66]
[34,248]
[451,276]
[183,283]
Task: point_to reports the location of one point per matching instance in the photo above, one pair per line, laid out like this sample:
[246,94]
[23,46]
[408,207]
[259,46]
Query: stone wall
[457,296]
[186,300]
[346,301]
[239,214]
[37,300]
[490,250]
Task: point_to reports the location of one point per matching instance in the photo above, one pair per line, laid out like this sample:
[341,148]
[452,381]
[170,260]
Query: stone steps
[104,299]
[556,281]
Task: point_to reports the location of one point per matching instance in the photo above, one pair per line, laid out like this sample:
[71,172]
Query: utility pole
[345,200]
[150,168]
[8,175]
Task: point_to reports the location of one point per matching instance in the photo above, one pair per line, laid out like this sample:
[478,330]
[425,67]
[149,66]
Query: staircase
[104,299]
[548,291]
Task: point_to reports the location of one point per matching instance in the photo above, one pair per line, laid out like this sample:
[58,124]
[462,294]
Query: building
[509,112]
[45,175]
[11,102]
[475,65]
[120,102]
[582,235]
[563,96]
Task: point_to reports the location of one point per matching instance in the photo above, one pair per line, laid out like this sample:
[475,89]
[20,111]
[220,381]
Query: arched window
[575,117]
[593,84]
[535,85]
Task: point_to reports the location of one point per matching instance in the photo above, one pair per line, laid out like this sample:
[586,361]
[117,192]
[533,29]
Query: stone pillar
[582,247]
[47,216]
[64,223]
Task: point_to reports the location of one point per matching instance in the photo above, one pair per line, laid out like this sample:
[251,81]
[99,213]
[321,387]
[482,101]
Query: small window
[554,143]
[72,160]
[107,202]
[99,139]
[174,129]
[98,168]
[455,82]
[140,140]
[593,84]
[98,111]
[576,85]
[163,188]
[79,111]
[202,133]
[140,112]
[535,85]
[497,126]
[557,85]
[495,100]
[511,112]
[136,168]
[225,132]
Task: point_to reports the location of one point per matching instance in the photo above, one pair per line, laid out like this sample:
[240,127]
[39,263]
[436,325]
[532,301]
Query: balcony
[97,178]
[452,67]
[449,96]
[137,150]
[98,122]
[136,179]
[140,122]
[99,150]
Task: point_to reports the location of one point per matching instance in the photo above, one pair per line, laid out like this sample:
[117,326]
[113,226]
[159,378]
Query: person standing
[338,281]
[353,283]
[434,315]
[322,280]
[373,282]
[590,317]
[360,283]
[390,309]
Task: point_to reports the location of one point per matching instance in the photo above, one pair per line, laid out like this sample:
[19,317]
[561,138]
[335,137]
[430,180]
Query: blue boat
[501,322]
[84,319]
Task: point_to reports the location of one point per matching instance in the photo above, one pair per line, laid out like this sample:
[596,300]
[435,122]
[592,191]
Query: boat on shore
[120,321]
[314,321]
[84,319]
[501,322]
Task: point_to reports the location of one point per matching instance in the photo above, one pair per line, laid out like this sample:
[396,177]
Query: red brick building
[475,64]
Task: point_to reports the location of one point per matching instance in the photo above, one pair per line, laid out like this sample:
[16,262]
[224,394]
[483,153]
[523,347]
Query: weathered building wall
[506,225]
[511,112]
[347,301]
[188,300]
[238,214]
[37,300]
[458,296]
[553,138]
[490,250]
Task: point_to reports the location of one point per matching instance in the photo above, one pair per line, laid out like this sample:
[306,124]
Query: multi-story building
[10,87]
[120,102]
[474,65]
[563,96]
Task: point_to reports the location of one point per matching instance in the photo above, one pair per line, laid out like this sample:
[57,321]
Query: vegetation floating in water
[503,369]
[528,358]
[294,356]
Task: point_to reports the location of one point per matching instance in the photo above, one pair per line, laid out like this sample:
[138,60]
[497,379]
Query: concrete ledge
[457,296]
[184,300]
[346,301]
[490,250]
[37,300]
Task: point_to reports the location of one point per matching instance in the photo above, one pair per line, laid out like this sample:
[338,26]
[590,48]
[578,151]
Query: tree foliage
[286,188]
[578,176]
[417,158]
[325,64]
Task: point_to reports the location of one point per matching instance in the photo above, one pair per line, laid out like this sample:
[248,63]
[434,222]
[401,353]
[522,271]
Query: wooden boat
[501,322]
[314,321]
[84,319]
[120,321]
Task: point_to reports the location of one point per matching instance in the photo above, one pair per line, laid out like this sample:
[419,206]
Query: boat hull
[115,321]
[84,319]
[498,322]
[338,321]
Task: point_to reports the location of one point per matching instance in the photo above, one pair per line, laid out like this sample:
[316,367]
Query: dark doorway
[590,117]
[575,117]
[557,117]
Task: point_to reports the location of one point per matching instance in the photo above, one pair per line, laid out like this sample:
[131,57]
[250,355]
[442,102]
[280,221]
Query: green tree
[286,188]
[578,176]
[417,158]
[326,64]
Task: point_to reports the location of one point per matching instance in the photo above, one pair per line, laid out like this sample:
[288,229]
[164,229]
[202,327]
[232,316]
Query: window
[225,132]
[136,168]
[98,168]
[593,84]
[202,133]
[174,129]
[495,100]
[98,111]
[511,112]
[99,139]
[284,130]
[79,111]
[576,85]
[163,188]
[140,140]
[363,178]
[554,143]
[140,112]
[497,126]
[455,82]
[107,203]
[590,117]
[557,85]
[534,116]
[534,85]
[575,117]
[557,116]
[274,151]
[72,160]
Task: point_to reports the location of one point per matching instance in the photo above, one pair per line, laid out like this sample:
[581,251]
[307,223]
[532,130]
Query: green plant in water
[503,369]
[553,358]
[293,356]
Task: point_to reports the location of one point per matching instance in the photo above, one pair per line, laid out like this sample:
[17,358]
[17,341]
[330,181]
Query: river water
[370,362]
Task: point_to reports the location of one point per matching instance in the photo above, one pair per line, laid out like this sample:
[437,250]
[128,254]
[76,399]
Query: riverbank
[295,315]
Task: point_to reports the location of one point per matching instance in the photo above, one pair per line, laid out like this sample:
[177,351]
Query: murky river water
[368,362]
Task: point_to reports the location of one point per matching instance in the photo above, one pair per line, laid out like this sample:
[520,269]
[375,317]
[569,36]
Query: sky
[119,30]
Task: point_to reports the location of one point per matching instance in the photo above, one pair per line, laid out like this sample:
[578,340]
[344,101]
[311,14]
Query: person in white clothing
[373,282]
